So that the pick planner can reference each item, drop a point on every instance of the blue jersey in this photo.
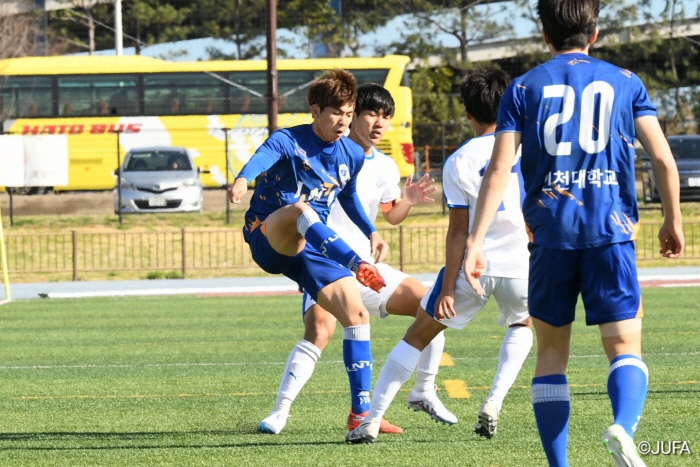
(297, 165)
(576, 116)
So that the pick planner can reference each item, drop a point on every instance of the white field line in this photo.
(331, 362)
(262, 289)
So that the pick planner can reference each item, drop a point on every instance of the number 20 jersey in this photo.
(576, 116)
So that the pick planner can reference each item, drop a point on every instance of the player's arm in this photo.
(413, 193)
(493, 187)
(667, 182)
(352, 206)
(265, 157)
(455, 242)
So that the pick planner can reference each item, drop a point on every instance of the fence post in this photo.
(442, 135)
(184, 258)
(74, 237)
(401, 248)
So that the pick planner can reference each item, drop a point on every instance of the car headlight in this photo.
(127, 185)
(189, 182)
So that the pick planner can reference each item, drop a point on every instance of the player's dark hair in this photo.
(569, 24)
(334, 88)
(481, 92)
(374, 97)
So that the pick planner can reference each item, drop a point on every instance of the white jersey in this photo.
(377, 182)
(505, 244)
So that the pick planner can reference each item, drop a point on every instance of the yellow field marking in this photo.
(446, 360)
(457, 389)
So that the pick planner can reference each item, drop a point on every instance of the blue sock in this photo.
(627, 388)
(357, 355)
(550, 400)
(326, 241)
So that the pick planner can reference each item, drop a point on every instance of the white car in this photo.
(158, 179)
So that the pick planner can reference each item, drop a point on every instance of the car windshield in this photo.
(148, 161)
(686, 148)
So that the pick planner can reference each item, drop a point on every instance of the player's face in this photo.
(331, 123)
(368, 127)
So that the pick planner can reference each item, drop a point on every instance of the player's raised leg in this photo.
(550, 390)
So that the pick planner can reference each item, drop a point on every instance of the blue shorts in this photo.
(310, 269)
(606, 277)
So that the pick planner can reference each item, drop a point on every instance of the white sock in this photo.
(428, 365)
(399, 366)
(300, 366)
(307, 219)
(516, 346)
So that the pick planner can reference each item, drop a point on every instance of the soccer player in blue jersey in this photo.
(379, 190)
(304, 169)
(577, 119)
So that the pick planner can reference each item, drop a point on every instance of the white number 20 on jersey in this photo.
(589, 122)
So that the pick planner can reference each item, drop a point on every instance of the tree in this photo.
(238, 21)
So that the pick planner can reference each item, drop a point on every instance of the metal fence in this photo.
(222, 252)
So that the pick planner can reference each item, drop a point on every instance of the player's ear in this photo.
(594, 36)
(315, 110)
(546, 38)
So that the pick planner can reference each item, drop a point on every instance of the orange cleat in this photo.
(368, 276)
(384, 427)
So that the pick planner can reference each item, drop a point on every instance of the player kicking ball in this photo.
(378, 189)
(577, 119)
(451, 302)
(304, 170)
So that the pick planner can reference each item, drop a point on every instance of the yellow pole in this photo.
(3, 264)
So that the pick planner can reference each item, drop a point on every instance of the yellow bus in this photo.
(108, 105)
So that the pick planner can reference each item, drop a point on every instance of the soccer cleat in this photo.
(431, 404)
(273, 424)
(487, 423)
(621, 447)
(355, 421)
(368, 276)
(366, 432)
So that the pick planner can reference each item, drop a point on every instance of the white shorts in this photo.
(373, 301)
(510, 295)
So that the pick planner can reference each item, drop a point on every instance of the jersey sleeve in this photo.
(641, 103)
(452, 186)
(510, 110)
(267, 155)
(349, 200)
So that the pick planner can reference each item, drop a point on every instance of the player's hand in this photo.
(418, 192)
(474, 267)
(671, 240)
(237, 190)
(444, 306)
(380, 248)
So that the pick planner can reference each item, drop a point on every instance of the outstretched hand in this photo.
(418, 192)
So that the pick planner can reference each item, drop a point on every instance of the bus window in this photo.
(370, 76)
(293, 87)
(183, 94)
(84, 95)
(26, 96)
(248, 94)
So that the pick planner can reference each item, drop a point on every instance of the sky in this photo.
(196, 49)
